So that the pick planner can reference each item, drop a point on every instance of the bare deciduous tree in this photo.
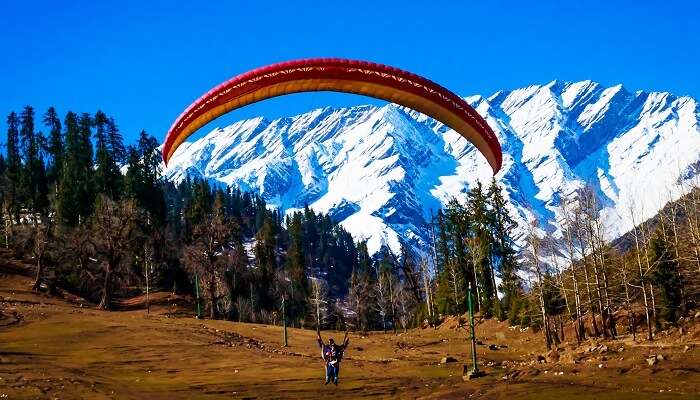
(534, 246)
(113, 234)
(427, 288)
(43, 241)
(318, 297)
(642, 273)
(209, 255)
(359, 296)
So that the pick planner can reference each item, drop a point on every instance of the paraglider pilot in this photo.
(332, 355)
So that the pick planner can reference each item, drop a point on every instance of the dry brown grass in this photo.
(62, 350)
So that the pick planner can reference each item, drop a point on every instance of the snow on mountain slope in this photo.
(381, 171)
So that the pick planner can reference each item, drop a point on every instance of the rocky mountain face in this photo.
(381, 171)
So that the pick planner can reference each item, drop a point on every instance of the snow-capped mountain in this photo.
(382, 170)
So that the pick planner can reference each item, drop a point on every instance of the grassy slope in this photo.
(60, 350)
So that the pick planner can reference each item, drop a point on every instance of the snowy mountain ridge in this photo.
(380, 171)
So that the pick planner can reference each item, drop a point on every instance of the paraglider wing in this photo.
(338, 75)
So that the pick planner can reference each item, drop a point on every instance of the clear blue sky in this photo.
(144, 61)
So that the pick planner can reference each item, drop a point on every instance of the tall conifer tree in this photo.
(54, 146)
(108, 178)
(504, 253)
(666, 277)
(14, 167)
(76, 196)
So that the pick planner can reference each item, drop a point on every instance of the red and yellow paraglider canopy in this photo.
(338, 75)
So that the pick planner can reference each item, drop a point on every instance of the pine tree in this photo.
(115, 142)
(480, 246)
(555, 305)
(503, 252)
(14, 168)
(4, 216)
(108, 178)
(55, 146)
(34, 188)
(152, 200)
(199, 199)
(340, 259)
(29, 153)
(458, 228)
(266, 261)
(29, 147)
(295, 266)
(85, 163)
(134, 177)
(143, 181)
(76, 195)
(665, 277)
(443, 252)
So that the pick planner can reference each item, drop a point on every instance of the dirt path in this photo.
(60, 350)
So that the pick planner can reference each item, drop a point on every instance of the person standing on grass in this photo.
(332, 354)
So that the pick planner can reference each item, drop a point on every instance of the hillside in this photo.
(673, 212)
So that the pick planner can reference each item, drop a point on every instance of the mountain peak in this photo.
(381, 170)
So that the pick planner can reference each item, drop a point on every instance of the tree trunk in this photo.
(453, 272)
(8, 224)
(545, 323)
(651, 286)
(681, 281)
(580, 232)
(535, 249)
(630, 313)
(653, 301)
(391, 302)
(476, 286)
(594, 256)
(578, 328)
(599, 298)
(212, 297)
(642, 281)
(148, 303)
(493, 276)
(106, 302)
(560, 283)
(39, 274)
(426, 287)
(580, 331)
(604, 273)
(590, 297)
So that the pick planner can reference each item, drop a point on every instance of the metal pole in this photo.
(475, 367)
(196, 290)
(147, 263)
(148, 304)
(474, 372)
(284, 323)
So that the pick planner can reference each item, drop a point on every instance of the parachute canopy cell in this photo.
(338, 75)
